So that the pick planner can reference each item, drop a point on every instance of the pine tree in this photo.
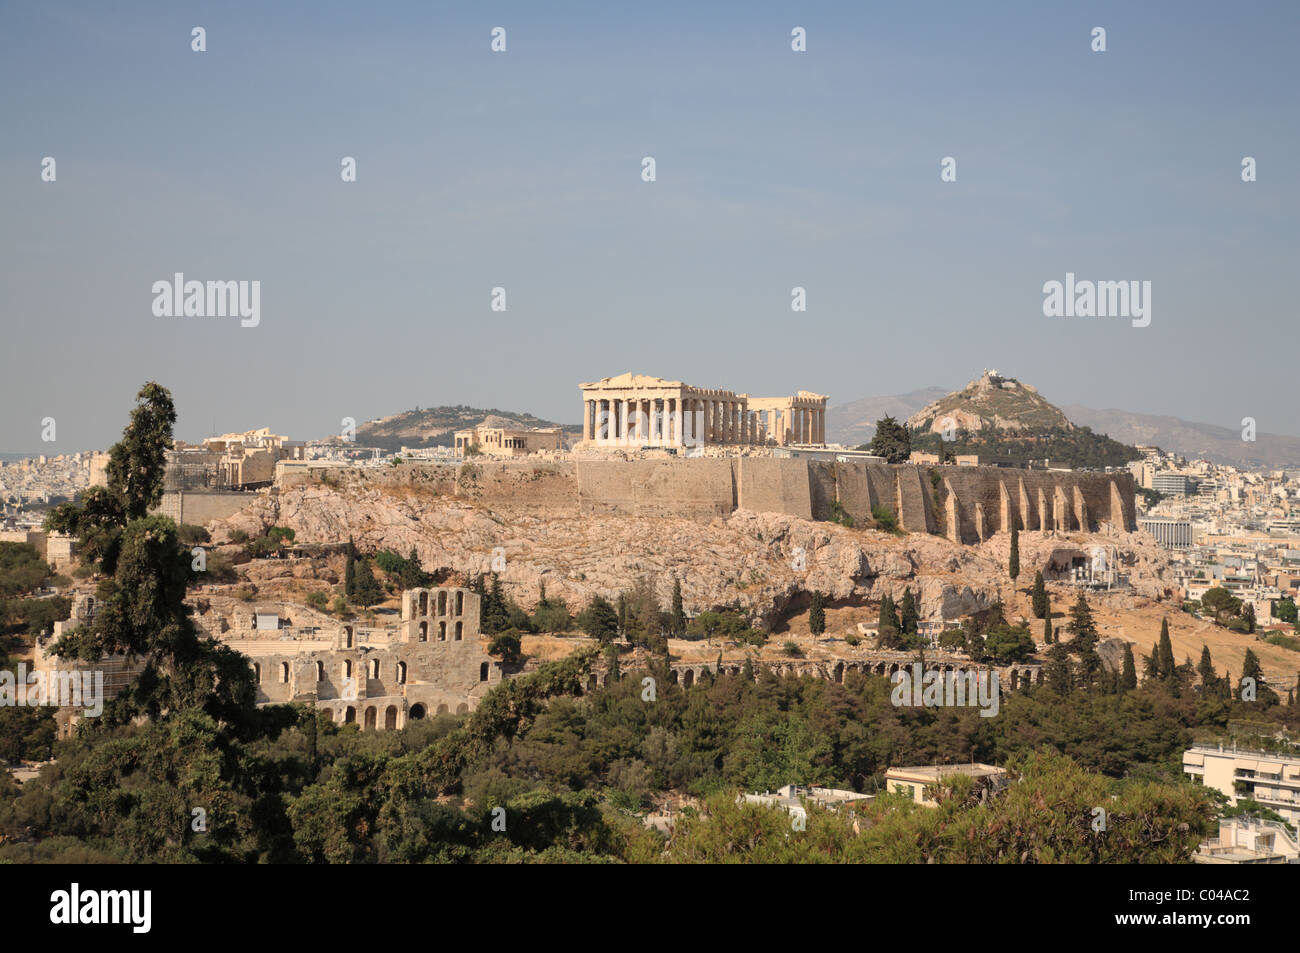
(1038, 597)
(1166, 657)
(678, 610)
(817, 614)
(1128, 678)
(1013, 564)
(1081, 624)
(1248, 613)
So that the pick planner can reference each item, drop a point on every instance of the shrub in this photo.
(884, 518)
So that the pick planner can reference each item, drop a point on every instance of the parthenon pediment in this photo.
(633, 380)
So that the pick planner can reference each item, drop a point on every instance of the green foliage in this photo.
(1038, 597)
(892, 440)
(728, 625)
(1221, 605)
(366, 590)
(1069, 448)
(840, 515)
(1007, 643)
(551, 615)
(817, 613)
(1043, 817)
(1285, 610)
(1013, 564)
(884, 518)
(599, 620)
(21, 569)
(318, 600)
(792, 649)
(506, 647)
(678, 611)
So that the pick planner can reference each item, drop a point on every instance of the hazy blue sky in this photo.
(522, 169)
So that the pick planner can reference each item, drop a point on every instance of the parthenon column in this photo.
(678, 441)
(586, 420)
(625, 427)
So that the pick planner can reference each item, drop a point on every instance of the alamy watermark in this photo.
(76, 689)
(1098, 299)
(179, 298)
(938, 689)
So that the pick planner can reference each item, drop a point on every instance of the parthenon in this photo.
(634, 410)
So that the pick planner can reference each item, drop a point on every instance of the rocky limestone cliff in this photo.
(746, 560)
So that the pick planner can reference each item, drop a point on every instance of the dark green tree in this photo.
(1048, 635)
(1038, 596)
(1206, 669)
(599, 620)
(1128, 678)
(495, 614)
(1166, 650)
(366, 590)
(889, 633)
(909, 617)
(1059, 677)
(142, 610)
(817, 614)
(350, 570)
(1013, 564)
(892, 440)
(678, 609)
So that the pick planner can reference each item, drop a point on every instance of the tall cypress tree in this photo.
(678, 610)
(350, 570)
(1013, 564)
(494, 617)
(1166, 657)
(1047, 630)
(887, 625)
(1128, 678)
(817, 614)
(1038, 596)
(908, 616)
(1206, 669)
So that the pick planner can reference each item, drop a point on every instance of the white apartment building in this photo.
(1271, 778)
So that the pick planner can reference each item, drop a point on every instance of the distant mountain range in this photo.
(437, 426)
(1192, 440)
(854, 423)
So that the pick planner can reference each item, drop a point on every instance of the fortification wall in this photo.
(775, 485)
(966, 504)
(203, 506)
(696, 489)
